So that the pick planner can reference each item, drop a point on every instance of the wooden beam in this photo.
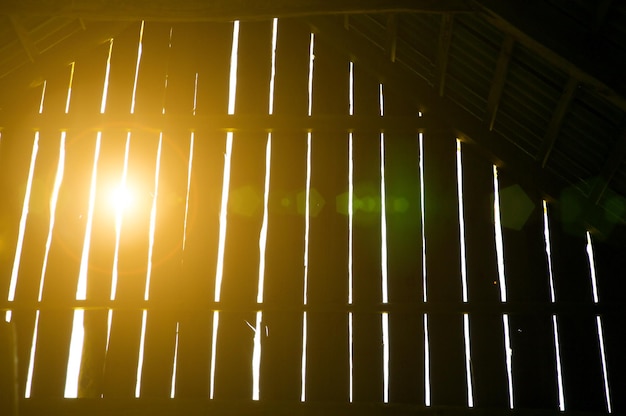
(202, 10)
(612, 164)
(24, 37)
(445, 39)
(499, 79)
(549, 139)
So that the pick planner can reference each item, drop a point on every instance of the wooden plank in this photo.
(443, 277)
(404, 259)
(233, 378)
(367, 347)
(284, 267)
(486, 333)
(327, 338)
(197, 284)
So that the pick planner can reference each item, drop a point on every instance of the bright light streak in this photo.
(303, 368)
(139, 50)
(119, 215)
(216, 321)
(426, 363)
(351, 356)
(195, 95)
(174, 367)
(509, 357)
(350, 213)
(605, 373)
(592, 268)
(307, 212)
(81, 288)
(43, 95)
(153, 214)
(381, 101)
(498, 232)
(459, 183)
(31, 359)
(105, 89)
(468, 361)
(422, 213)
(22, 229)
(189, 167)
(559, 374)
(546, 234)
(256, 357)
(383, 220)
(263, 234)
(75, 356)
(223, 213)
(273, 73)
(310, 85)
(385, 325)
(69, 89)
(351, 88)
(7, 316)
(109, 320)
(232, 92)
(142, 343)
(58, 180)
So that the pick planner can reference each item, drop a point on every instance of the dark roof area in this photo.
(538, 85)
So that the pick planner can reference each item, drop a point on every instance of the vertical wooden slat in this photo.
(327, 348)
(487, 338)
(233, 378)
(197, 284)
(367, 243)
(404, 242)
(443, 268)
(284, 267)
(580, 352)
(123, 354)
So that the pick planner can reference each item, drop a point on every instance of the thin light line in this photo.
(273, 73)
(351, 88)
(75, 355)
(195, 95)
(256, 357)
(22, 229)
(232, 92)
(43, 95)
(468, 361)
(381, 101)
(69, 89)
(189, 168)
(153, 214)
(174, 367)
(605, 374)
(307, 213)
(426, 363)
(459, 182)
(350, 214)
(385, 327)
(303, 368)
(559, 372)
(546, 233)
(422, 213)
(81, 288)
(54, 198)
(509, 357)
(310, 85)
(383, 221)
(216, 321)
(142, 342)
(105, 89)
(498, 232)
(31, 359)
(592, 269)
(351, 356)
(139, 50)
(263, 234)
(223, 217)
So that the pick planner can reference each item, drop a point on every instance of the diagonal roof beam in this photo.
(499, 79)
(612, 164)
(24, 38)
(445, 39)
(203, 10)
(549, 139)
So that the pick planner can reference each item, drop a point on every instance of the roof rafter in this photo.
(499, 79)
(202, 10)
